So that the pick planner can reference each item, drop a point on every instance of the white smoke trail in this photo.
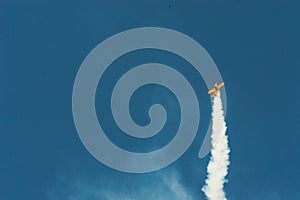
(217, 168)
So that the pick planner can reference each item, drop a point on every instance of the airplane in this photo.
(215, 91)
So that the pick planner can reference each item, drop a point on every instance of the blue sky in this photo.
(254, 44)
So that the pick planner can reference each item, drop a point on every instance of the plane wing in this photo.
(221, 85)
(212, 91)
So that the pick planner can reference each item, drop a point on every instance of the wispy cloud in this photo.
(159, 186)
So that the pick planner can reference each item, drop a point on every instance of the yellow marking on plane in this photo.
(215, 91)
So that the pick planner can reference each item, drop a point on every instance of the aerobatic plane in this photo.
(215, 91)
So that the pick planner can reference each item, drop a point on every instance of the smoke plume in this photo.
(218, 165)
